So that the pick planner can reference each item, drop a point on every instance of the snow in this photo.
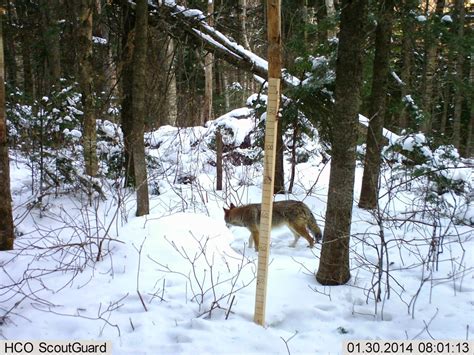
(233, 120)
(397, 78)
(421, 18)
(391, 137)
(194, 13)
(411, 141)
(178, 281)
(74, 133)
(447, 18)
(99, 40)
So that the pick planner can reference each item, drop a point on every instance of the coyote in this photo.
(294, 214)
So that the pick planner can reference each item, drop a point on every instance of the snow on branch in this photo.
(182, 22)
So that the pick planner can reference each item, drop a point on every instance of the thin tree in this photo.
(470, 128)
(171, 93)
(126, 74)
(458, 69)
(279, 186)
(208, 70)
(89, 137)
(138, 104)
(50, 30)
(334, 262)
(383, 33)
(10, 45)
(6, 216)
(430, 65)
(25, 44)
(408, 27)
(331, 13)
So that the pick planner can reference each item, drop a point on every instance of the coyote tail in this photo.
(314, 228)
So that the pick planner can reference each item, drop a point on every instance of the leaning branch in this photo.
(186, 24)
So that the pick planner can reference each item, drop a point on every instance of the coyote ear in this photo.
(232, 205)
(225, 209)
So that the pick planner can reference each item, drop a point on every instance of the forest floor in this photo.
(178, 281)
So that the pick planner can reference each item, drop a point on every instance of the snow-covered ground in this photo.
(179, 282)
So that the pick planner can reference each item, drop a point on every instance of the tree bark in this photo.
(431, 50)
(50, 31)
(208, 71)
(469, 151)
(408, 28)
(244, 77)
(10, 53)
(370, 181)
(127, 91)
(138, 104)
(89, 136)
(171, 90)
(334, 262)
(243, 23)
(25, 44)
(279, 186)
(331, 13)
(458, 68)
(6, 215)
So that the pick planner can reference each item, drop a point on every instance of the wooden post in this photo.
(219, 160)
(274, 75)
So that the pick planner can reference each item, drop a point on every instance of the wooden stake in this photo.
(219, 159)
(273, 104)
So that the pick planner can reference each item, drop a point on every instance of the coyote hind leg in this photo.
(300, 230)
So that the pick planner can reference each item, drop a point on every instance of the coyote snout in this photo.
(294, 214)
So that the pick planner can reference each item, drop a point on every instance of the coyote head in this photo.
(227, 215)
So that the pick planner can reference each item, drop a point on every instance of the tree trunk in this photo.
(171, 91)
(89, 136)
(105, 66)
(470, 135)
(50, 31)
(225, 85)
(321, 15)
(25, 44)
(469, 151)
(6, 216)
(370, 182)
(10, 53)
(431, 49)
(458, 68)
(334, 262)
(127, 89)
(138, 104)
(208, 72)
(408, 28)
(243, 23)
(331, 14)
(246, 80)
(279, 186)
(444, 113)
